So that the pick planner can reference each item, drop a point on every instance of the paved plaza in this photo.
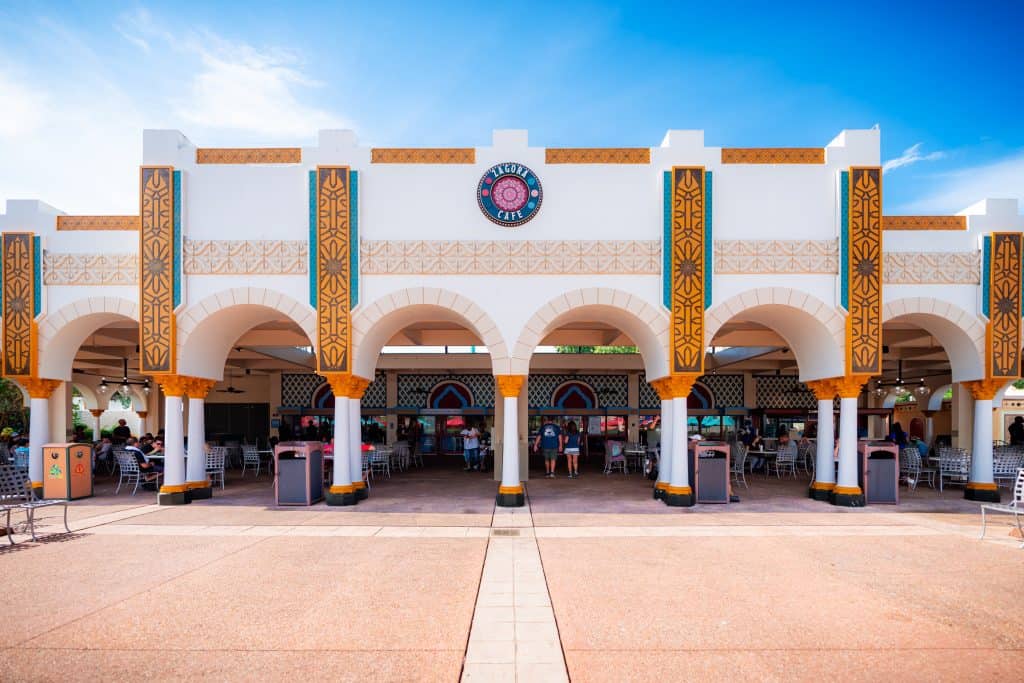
(591, 581)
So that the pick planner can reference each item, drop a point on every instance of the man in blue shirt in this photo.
(549, 443)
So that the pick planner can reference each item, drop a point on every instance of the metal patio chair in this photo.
(739, 463)
(1015, 507)
(913, 470)
(16, 494)
(380, 461)
(1005, 464)
(954, 467)
(251, 459)
(614, 457)
(784, 461)
(131, 474)
(215, 464)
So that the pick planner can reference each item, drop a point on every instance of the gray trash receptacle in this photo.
(711, 479)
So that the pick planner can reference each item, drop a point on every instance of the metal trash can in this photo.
(298, 473)
(711, 472)
(67, 471)
(881, 472)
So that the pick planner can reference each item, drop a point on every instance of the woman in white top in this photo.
(471, 448)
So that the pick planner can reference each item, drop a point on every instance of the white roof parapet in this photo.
(510, 138)
(683, 139)
(167, 148)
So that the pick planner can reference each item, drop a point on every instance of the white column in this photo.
(510, 445)
(679, 478)
(196, 465)
(665, 461)
(848, 483)
(174, 445)
(981, 445)
(38, 435)
(824, 462)
(929, 426)
(355, 440)
(342, 468)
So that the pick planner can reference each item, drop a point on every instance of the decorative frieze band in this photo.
(90, 269)
(598, 155)
(933, 268)
(801, 257)
(240, 155)
(505, 257)
(97, 222)
(246, 257)
(423, 155)
(773, 155)
(924, 222)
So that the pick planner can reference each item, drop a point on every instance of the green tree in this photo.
(597, 349)
(13, 412)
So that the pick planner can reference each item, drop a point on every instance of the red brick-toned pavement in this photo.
(777, 587)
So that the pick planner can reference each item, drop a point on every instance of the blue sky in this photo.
(79, 81)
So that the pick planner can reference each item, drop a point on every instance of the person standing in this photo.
(1016, 430)
(471, 447)
(549, 442)
(571, 446)
(121, 431)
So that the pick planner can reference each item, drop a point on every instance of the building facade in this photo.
(748, 280)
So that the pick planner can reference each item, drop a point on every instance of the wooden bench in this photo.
(16, 494)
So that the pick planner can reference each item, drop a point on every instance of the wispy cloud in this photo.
(952, 192)
(911, 155)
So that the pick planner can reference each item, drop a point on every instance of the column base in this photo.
(847, 496)
(981, 492)
(820, 490)
(173, 494)
(199, 490)
(341, 495)
(362, 491)
(659, 489)
(678, 496)
(511, 496)
(37, 489)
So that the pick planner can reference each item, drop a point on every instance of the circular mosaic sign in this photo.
(509, 194)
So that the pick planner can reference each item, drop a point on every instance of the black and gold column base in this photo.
(659, 490)
(982, 493)
(174, 494)
(511, 496)
(37, 489)
(198, 490)
(341, 495)
(362, 491)
(847, 496)
(679, 496)
(821, 490)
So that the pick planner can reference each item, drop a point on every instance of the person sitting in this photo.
(757, 462)
(149, 470)
(102, 451)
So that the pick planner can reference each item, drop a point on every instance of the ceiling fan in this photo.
(230, 388)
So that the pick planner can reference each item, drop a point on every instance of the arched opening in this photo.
(770, 343)
(587, 355)
(432, 355)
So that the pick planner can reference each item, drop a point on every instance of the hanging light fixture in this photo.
(879, 389)
(922, 389)
(103, 388)
(145, 387)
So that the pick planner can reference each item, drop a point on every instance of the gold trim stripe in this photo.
(19, 325)
(864, 320)
(598, 155)
(687, 277)
(156, 270)
(773, 155)
(333, 235)
(245, 155)
(423, 155)
(97, 222)
(924, 222)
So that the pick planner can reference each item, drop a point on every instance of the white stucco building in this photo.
(738, 274)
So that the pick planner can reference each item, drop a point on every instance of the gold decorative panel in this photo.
(1005, 305)
(240, 155)
(773, 155)
(802, 257)
(864, 319)
(423, 155)
(156, 271)
(19, 334)
(932, 267)
(246, 257)
(90, 269)
(599, 155)
(507, 257)
(924, 222)
(687, 240)
(97, 222)
(333, 235)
